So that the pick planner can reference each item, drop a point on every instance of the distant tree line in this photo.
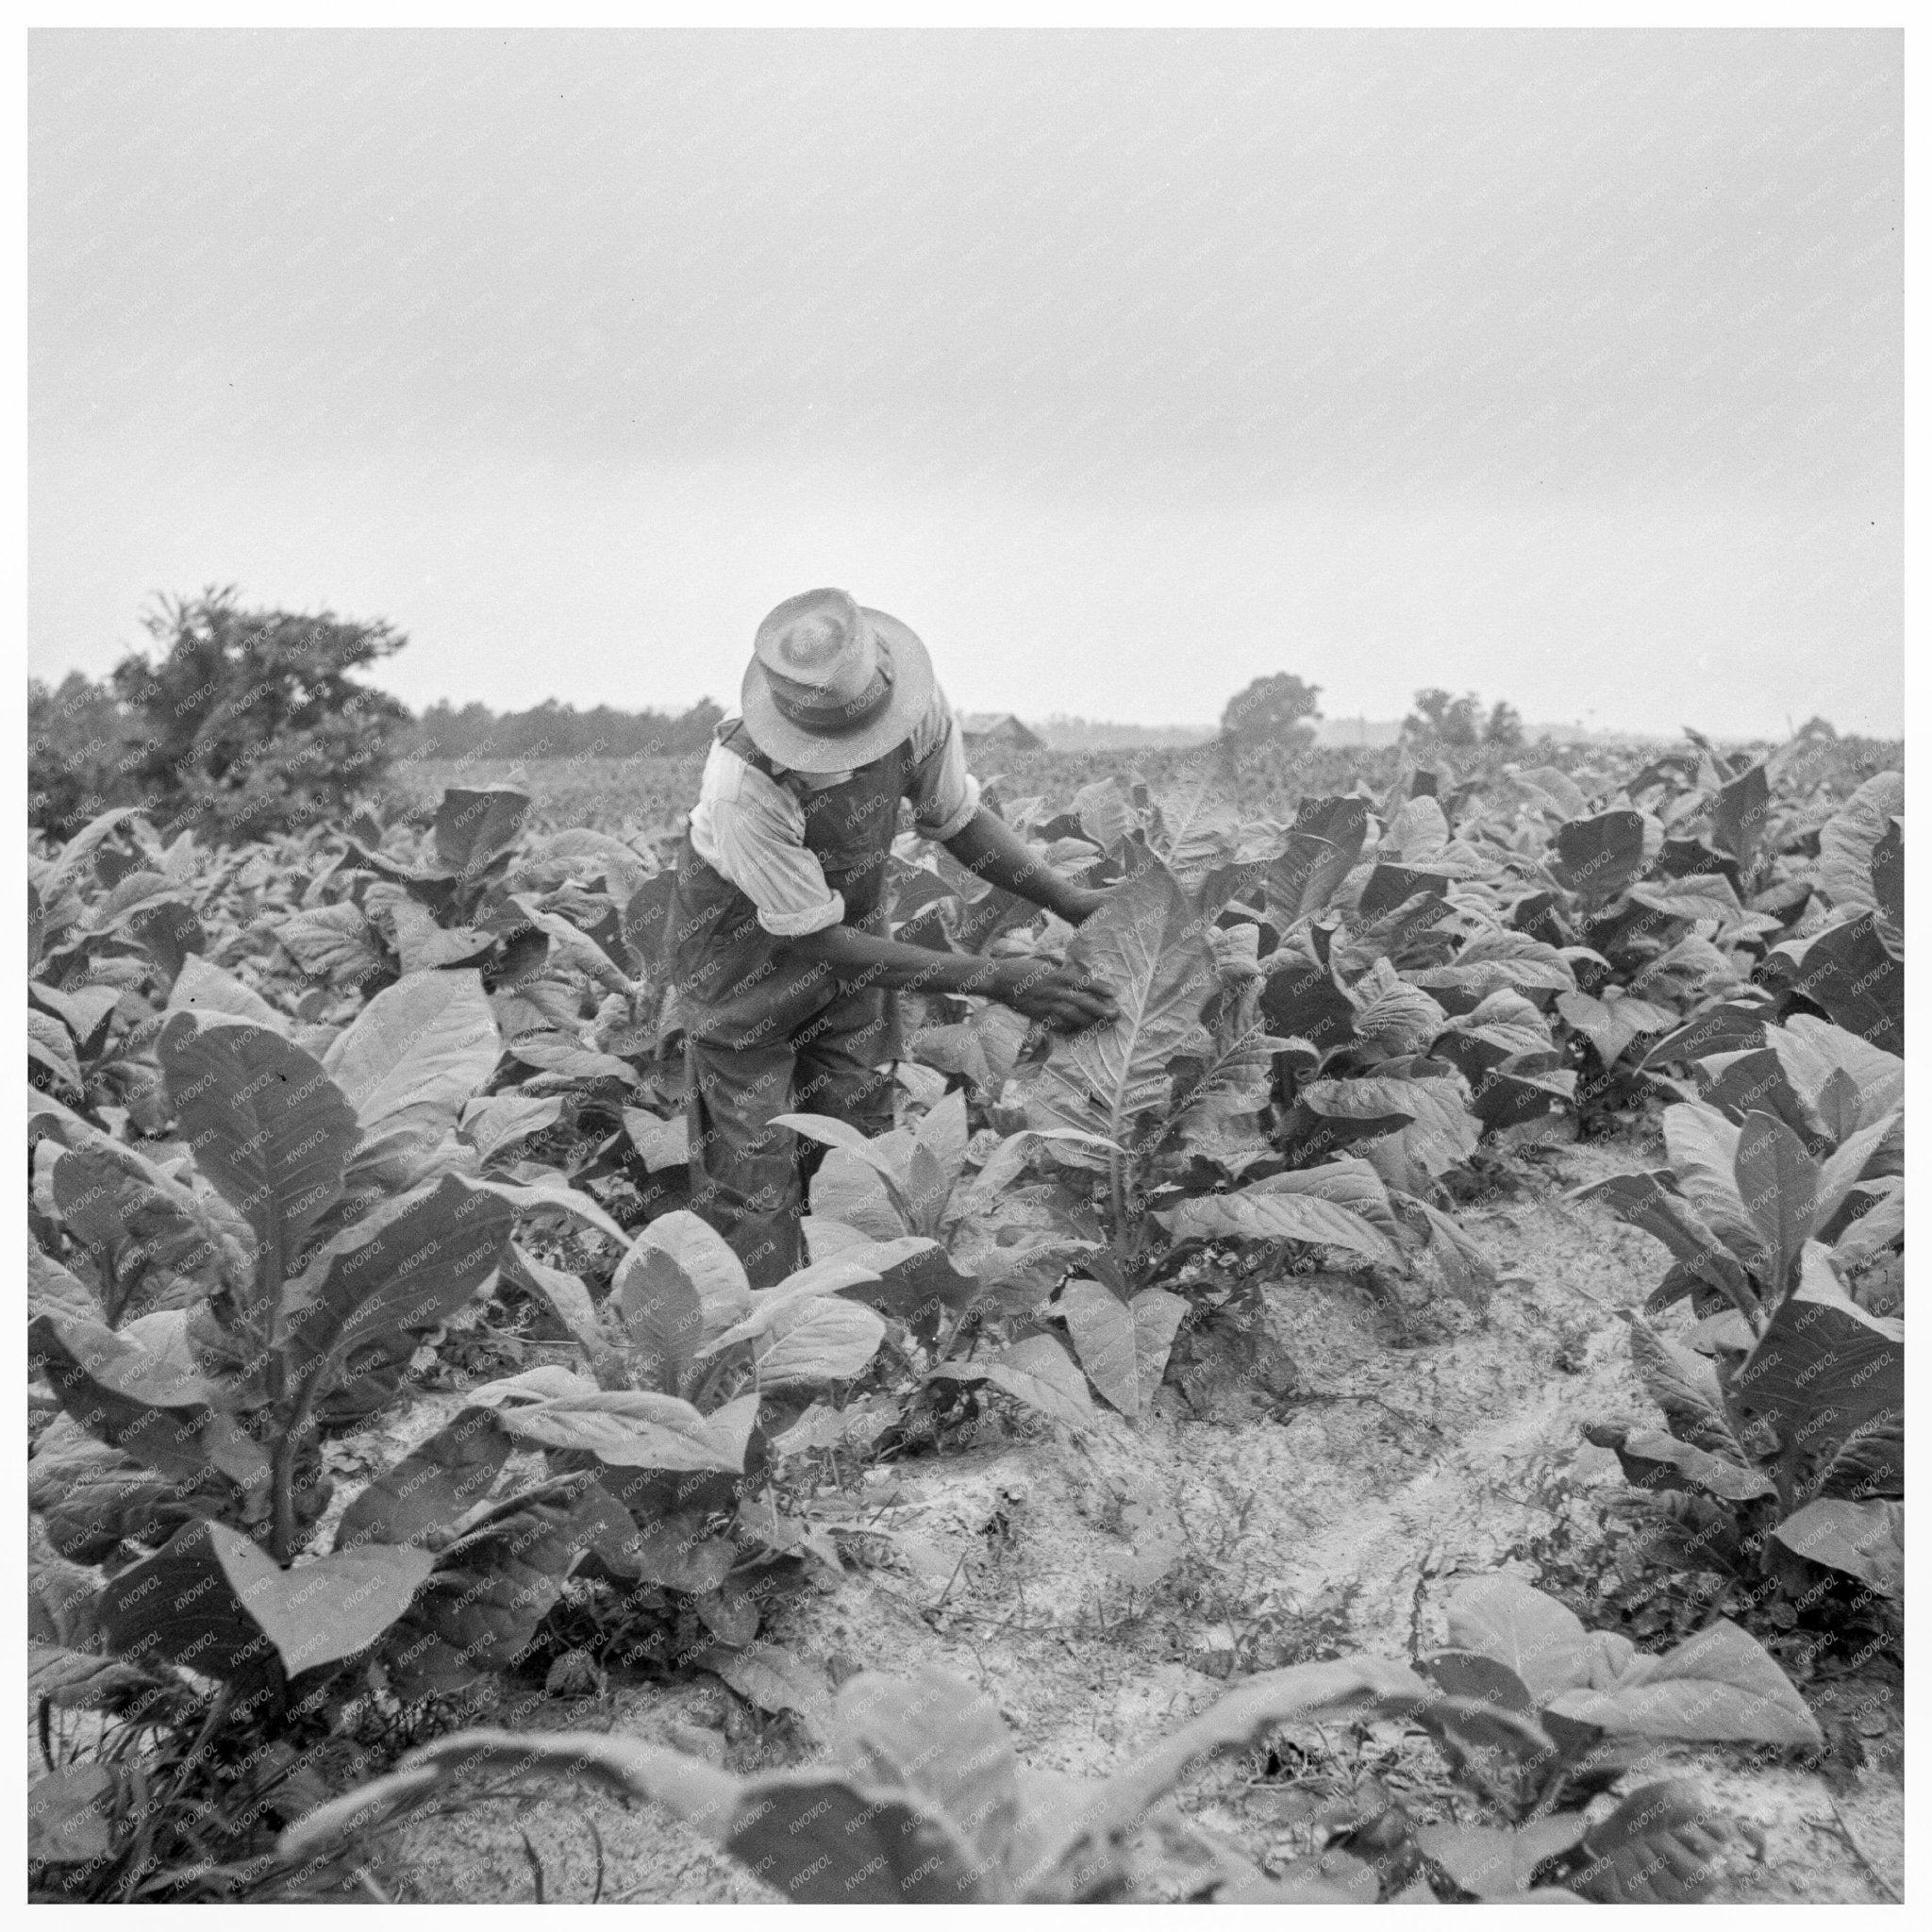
(1451, 723)
(1276, 714)
(551, 730)
(249, 723)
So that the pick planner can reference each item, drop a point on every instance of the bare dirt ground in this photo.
(1103, 1591)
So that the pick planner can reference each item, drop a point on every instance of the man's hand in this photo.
(1063, 996)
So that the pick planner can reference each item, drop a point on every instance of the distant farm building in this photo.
(998, 731)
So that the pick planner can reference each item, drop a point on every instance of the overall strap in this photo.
(734, 736)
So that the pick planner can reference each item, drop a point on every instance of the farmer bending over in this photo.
(778, 929)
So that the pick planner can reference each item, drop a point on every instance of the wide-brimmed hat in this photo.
(832, 686)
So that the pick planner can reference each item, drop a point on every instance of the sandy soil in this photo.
(1333, 1515)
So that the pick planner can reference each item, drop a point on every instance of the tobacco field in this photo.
(1410, 1411)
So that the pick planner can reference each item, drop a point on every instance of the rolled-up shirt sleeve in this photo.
(751, 830)
(944, 794)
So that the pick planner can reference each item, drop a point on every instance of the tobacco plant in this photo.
(1781, 1205)
(922, 1799)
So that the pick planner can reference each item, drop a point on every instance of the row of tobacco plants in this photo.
(319, 1128)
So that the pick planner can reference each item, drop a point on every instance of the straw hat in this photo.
(831, 685)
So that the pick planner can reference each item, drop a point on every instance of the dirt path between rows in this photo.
(1338, 1522)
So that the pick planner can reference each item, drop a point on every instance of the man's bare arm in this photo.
(1059, 994)
(988, 845)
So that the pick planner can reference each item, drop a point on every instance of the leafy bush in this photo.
(249, 723)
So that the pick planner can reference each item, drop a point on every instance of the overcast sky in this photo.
(1124, 367)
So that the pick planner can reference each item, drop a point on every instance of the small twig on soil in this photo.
(1595, 1301)
(950, 1581)
(535, 1862)
(1858, 1851)
(597, 1840)
(1353, 1395)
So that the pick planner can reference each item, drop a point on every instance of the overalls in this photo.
(767, 1033)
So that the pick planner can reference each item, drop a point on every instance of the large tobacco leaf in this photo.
(1123, 1346)
(218, 1603)
(1851, 970)
(91, 1498)
(500, 1122)
(663, 1317)
(1719, 1684)
(1498, 961)
(1412, 1120)
(1684, 1385)
(885, 1730)
(1657, 1847)
(407, 1268)
(481, 1603)
(704, 1259)
(1037, 1372)
(1865, 1540)
(148, 1407)
(1293, 1206)
(1871, 1083)
(832, 1274)
(148, 1242)
(52, 1290)
(922, 1803)
(1543, 1644)
(200, 988)
(628, 1429)
(1740, 815)
(1198, 830)
(1850, 839)
(474, 828)
(423, 1497)
(1647, 1200)
(334, 943)
(1149, 948)
(1823, 1371)
(1703, 1149)
(1492, 1862)
(1779, 1186)
(430, 1042)
(74, 1815)
(1705, 895)
(1321, 850)
(1596, 858)
(1656, 1460)
(818, 1340)
(1301, 998)
(268, 1126)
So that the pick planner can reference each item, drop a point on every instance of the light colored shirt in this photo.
(751, 828)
